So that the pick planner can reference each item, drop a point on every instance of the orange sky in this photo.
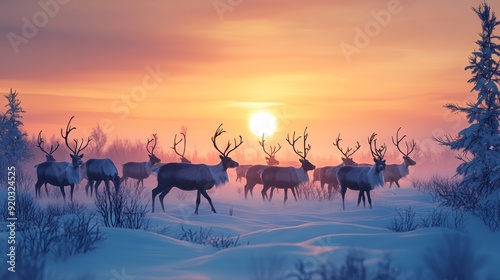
(285, 57)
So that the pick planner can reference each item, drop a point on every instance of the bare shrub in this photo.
(266, 268)
(489, 213)
(123, 209)
(436, 218)
(79, 235)
(404, 220)
(311, 192)
(353, 268)
(207, 237)
(453, 258)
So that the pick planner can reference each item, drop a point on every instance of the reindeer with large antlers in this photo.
(394, 172)
(141, 170)
(288, 177)
(364, 178)
(48, 155)
(253, 173)
(63, 174)
(174, 147)
(328, 174)
(196, 177)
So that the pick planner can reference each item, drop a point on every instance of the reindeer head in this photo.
(271, 158)
(409, 148)
(347, 160)
(76, 157)
(152, 158)
(306, 165)
(377, 153)
(226, 161)
(48, 155)
(174, 147)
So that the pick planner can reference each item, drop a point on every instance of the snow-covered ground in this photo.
(274, 237)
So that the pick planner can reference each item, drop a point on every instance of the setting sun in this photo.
(262, 123)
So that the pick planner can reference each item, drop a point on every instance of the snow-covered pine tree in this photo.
(480, 142)
(13, 141)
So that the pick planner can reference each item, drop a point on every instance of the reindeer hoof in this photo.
(213, 210)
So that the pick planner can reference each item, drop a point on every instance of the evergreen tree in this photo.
(480, 142)
(13, 141)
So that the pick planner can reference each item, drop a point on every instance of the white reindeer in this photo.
(394, 172)
(141, 170)
(195, 177)
(365, 178)
(62, 174)
(288, 177)
(253, 175)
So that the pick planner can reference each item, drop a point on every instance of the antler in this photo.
(155, 139)
(379, 152)
(409, 147)
(226, 152)
(78, 148)
(176, 143)
(40, 145)
(274, 150)
(346, 153)
(292, 143)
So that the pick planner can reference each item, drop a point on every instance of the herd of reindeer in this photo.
(202, 177)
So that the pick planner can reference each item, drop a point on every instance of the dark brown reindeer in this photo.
(195, 177)
(174, 147)
(48, 155)
(63, 174)
(394, 172)
(141, 170)
(364, 178)
(328, 174)
(288, 177)
(253, 174)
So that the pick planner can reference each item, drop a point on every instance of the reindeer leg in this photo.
(360, 195)
(97, 183)
(397, 184)
(205, 194)
(330, 187)
(198, 200)
(46, 190)
(63, 193)
(342, 192)
(294, 195)
(286, 195)
(106, 183)
(72, 188)
(271, 195)
(87, 188)
(369, 198)
(154, 193)
(38, 185)
(264, 192)
(247, 189)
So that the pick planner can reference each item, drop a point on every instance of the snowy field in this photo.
(274, 237)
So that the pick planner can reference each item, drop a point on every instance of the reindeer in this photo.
(174, 147)
(62, 174)
(48, 155)
(98, 170)
(328, 174)
(394, 172)
(288, 177)
(241, 171)
(253, 174)
(141, 170)
(365, 178)
(196, 177)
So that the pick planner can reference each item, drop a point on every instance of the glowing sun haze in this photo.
(139, 67)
